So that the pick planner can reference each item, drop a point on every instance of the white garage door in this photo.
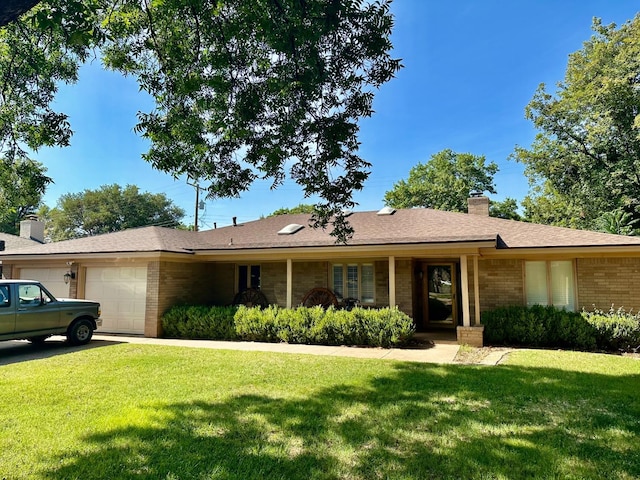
(122, 293)
(51, 278)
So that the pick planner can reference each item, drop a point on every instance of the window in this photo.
(32, 295)
(248, 277)
(550, 283)
(354, 280)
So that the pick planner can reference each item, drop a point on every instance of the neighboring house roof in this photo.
(12, 242)
(411, 226)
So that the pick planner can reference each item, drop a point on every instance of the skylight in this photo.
(291, 229)
(386, 211)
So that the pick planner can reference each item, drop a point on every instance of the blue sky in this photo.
(470, 68)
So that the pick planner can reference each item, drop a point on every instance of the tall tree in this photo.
(37, 53)
(444, 182)
(243, 87)
(21, 190)
(585, 160)
(109, 209)
(507, 209)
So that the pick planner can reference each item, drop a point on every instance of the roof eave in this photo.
(91, 255)
(379, 250)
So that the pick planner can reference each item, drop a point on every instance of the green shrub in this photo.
(538, 326)
(381, 328)
(294, 326)
(255, 324)
(199, 321)
(616, 330)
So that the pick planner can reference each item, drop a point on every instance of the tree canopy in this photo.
(37, 53)
(242, 87)
(302, 208)
(21, 189)
(584, 164)
(109, 209)
(444, 182)
(243, 90)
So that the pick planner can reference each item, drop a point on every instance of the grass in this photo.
(147, 412)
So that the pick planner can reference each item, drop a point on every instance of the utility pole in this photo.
(196, 185)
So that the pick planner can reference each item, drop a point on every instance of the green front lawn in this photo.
(147, 412)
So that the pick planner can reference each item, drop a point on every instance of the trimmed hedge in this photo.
(199, 321)
(385, 327)
(546, 326)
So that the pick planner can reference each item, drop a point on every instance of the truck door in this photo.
(7, 311)
(36, 312)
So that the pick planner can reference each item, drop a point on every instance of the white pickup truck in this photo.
(28, 311)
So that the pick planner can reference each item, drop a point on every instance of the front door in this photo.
(440, 308)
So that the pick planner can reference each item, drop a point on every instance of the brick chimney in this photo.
(32, 229)
(478, 204)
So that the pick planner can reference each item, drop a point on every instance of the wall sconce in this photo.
(69, 276)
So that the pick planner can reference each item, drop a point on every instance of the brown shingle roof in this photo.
(12, 242)
(414, 226)
(146, 239)
(409, 226)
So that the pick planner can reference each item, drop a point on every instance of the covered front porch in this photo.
(438, 288)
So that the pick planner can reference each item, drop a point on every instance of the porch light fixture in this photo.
(69, 276)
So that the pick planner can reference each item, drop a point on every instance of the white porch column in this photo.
(464, 273)
(392, 281)
(476, 291)
(289, 283)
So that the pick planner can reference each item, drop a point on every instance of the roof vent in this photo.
(291, 229)
(386, 211)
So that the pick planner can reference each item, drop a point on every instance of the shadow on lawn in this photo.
(421, 421)
(16, 351)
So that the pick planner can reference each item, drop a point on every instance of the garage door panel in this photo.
(51, 278)
(121, 292)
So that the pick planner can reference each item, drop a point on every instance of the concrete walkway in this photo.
(442, 351)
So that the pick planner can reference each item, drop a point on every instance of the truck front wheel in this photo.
(80, 333)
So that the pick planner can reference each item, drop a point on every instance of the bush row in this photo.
(546, 326)
(385, 327)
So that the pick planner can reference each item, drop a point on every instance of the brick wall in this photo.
(7, 270)
(273, 282)
(501, 283)
(608, 281)
(173, 283)
(306, 275)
